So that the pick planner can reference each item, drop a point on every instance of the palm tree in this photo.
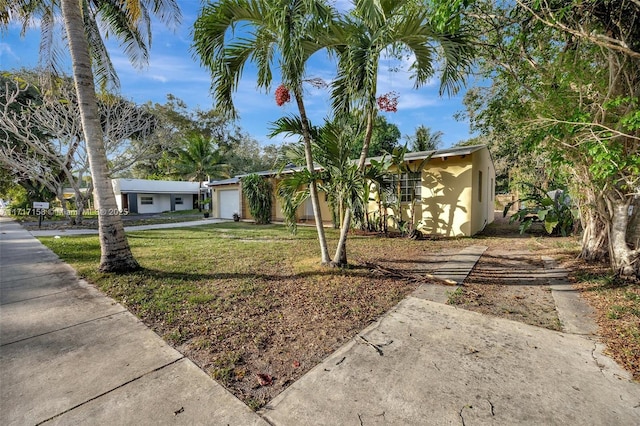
(200, 160)
(378, 26)
(289, 30)
(339, 177)
(425, 140)
(130, 22)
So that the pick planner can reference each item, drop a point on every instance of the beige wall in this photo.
(215, 197)
(450, 203)
(445, 208)
(276, 210)
(483, 204)
(446, 198)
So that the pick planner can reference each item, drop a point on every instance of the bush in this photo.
(258, 191)
(553, 209)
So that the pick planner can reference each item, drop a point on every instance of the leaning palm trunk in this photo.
(116, 255)
(313, 187)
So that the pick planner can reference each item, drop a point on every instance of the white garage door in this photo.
(229, 203)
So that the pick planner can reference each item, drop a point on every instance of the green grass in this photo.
(181, 265)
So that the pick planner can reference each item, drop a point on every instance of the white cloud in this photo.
(160, 78)
(415, 100)
(5, 50)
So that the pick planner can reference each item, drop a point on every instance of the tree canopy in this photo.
(564, 97)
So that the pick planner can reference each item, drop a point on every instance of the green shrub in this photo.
(258, 191)
(555, 213)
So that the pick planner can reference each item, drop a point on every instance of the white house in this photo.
(155, 196)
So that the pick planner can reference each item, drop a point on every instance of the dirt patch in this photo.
(503, 284)
(508, 279)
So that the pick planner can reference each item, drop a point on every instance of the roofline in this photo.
(439, 153)
(420, 155)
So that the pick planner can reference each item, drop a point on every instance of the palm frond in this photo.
(293, 191)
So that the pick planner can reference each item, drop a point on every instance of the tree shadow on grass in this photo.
(353, 272)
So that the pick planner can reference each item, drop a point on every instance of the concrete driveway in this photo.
(427, 363)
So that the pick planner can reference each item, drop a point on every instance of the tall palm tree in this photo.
(425, 140)
(289, 31)
(130, 22)
(200, 160)
(376, 27)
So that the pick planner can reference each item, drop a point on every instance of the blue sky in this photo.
(173, 69)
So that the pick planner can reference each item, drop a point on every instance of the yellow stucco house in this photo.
(451, 195)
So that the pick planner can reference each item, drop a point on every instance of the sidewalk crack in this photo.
(63, 328)
(110, 390)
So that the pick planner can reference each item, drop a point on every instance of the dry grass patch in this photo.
(617, 306)
(250, 304)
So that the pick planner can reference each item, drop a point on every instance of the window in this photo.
(178, 200)
(146, 200)
(480, 186)
(410, 186)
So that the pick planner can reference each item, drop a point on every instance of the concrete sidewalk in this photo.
(426, 363)
(70, 355)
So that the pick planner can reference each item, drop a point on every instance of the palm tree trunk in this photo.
(116, 255)
(340, 257)
(313, 188)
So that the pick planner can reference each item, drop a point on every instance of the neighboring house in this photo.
(155, 196)
(453, 194)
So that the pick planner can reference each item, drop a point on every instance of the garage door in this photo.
(229, 203)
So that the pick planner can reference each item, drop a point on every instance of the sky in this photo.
(173, 69)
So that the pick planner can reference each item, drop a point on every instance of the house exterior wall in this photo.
(483, 205)
(161, 203)
(455, 201)
(303, 214)
(215, 198)
(187, 202)
(450, 203)
(163, 193)
(445, 208)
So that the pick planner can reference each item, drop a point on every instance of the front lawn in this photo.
(243, 300)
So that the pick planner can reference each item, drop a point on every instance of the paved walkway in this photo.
(70, 355)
